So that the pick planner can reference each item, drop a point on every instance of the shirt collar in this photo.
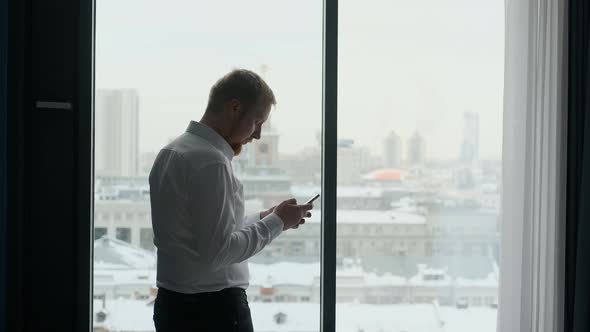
(211, 136)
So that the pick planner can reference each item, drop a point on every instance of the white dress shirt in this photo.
(200, 232)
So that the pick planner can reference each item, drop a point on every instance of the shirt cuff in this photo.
(274, 223)
(252, 218)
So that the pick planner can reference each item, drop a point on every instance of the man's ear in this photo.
(234, 105)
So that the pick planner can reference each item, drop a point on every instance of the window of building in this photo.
(99, 232)
(124, 234)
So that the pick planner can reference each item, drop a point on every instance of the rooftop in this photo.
(136, 316)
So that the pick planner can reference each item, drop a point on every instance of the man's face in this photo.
(248, 126)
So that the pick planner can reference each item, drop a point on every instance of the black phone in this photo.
(312, 199)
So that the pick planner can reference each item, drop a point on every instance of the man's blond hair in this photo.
(244, 85)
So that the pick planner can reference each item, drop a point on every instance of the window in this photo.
(420, 98)
(99, 232)
(124, 234)
(136, 114)
(409, 72)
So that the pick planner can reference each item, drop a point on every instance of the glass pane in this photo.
(419, 164)
(155, 65)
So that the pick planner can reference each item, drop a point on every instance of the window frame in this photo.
(329, 161)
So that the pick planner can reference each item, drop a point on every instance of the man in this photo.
(202, 236)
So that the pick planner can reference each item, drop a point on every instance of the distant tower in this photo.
(264, 152)
(393, 150)
(416, 149)
(261, 153)
(117, 132)
(259, 171)
(470, 143)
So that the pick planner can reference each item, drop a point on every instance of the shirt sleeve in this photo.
(219, 241)
(251, 218)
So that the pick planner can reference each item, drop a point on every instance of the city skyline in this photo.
(117, 137)
(424, 86)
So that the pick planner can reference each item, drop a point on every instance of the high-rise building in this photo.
(393, 150)
(117, 132)
(470, 143)
(416, 149)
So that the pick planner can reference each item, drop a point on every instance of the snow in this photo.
(421, 279)
(282, 274)
(115, 254)
(125, 277)
(126, 315)
(372, 217)
(491, 281)
(135, 316)
(372, 279)
(348, 191)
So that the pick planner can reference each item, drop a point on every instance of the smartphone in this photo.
(312, 199)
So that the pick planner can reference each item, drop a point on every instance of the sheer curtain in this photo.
(532, 228)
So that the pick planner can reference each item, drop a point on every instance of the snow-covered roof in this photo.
(110, 253)
(430, 277)
(125, 315)
(303, 274)
(105, 277)
(372, 217)
(359, 191)
(490, 282)
(387, 279)
(136, 316)
(117, 262)
(349, 191)
(283, 274)
(471, 267)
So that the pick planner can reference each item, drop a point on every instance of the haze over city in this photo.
(395, 71)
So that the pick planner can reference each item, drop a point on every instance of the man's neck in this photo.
(216, 125)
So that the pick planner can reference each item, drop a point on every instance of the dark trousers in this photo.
(223, 311)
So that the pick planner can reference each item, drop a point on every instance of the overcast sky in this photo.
(403, 65)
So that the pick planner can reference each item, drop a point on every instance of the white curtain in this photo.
(533, 219)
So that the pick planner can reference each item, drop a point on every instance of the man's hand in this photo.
(292, 214)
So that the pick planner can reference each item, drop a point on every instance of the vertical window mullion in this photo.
(85, 164)
(329, 164)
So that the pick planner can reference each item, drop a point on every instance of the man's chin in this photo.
(237, 147)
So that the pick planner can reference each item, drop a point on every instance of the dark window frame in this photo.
(47, 77)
